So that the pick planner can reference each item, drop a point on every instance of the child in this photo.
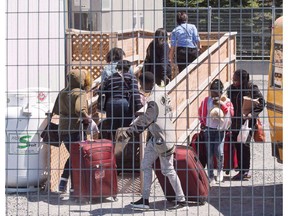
(161, 143)
(215, 114)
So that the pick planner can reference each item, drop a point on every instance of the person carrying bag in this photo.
(157, 118)
(240, 90)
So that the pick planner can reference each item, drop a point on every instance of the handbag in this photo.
(120, 144)
(259, 135)
(50, 134)
(244, 132)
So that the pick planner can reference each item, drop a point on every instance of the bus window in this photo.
(277, 82)
(275, 90)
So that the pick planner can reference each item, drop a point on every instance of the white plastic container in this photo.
(26, 156)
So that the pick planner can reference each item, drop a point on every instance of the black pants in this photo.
(185, 56)
(68, 139)
(243, 152)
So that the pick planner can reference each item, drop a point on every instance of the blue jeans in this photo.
(214, 140)
(118, 114)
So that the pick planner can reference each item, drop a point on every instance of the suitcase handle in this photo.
(82, 134)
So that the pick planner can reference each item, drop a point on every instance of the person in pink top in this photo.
(215, 114)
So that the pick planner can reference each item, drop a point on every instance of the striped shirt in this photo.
(120, 85)
(110, 69)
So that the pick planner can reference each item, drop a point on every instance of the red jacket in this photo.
(202, 111)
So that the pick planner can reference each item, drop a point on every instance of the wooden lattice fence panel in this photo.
(95, 70)
(88, 50)
(90, 47)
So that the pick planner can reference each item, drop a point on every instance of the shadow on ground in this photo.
(226, 200)
(248, 200)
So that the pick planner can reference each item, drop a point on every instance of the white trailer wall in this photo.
(35, 45)
(122, 15)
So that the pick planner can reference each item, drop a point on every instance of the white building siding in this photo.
(35, 45)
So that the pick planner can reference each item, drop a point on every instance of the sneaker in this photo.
(63, 185)
(71, 192)
(219, 177)
(141, 204)
(211, 181)
(179, 205)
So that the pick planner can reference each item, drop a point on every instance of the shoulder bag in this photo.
(50, 134)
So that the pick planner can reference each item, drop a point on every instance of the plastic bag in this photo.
(244, 132)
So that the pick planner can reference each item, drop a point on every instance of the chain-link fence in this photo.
(65, 57)
(253, 26)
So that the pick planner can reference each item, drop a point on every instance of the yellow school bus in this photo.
(275, 90)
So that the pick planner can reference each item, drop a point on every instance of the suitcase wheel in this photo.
(202, 201)
(81, 201)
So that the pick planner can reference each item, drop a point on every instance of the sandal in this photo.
(246, 176)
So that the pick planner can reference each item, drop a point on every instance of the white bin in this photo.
(26, 156)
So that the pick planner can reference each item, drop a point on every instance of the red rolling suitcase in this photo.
(230, 155)
(198, 144)
(94, 169)
(191, 173)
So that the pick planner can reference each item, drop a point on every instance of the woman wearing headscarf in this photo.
(157, 57)
(241, 87)
(73, 110)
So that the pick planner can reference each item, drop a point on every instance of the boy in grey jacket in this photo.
(161, 140)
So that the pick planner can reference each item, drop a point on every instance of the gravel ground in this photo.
(262, 195)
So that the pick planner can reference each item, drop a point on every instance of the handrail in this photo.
(187, 101)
